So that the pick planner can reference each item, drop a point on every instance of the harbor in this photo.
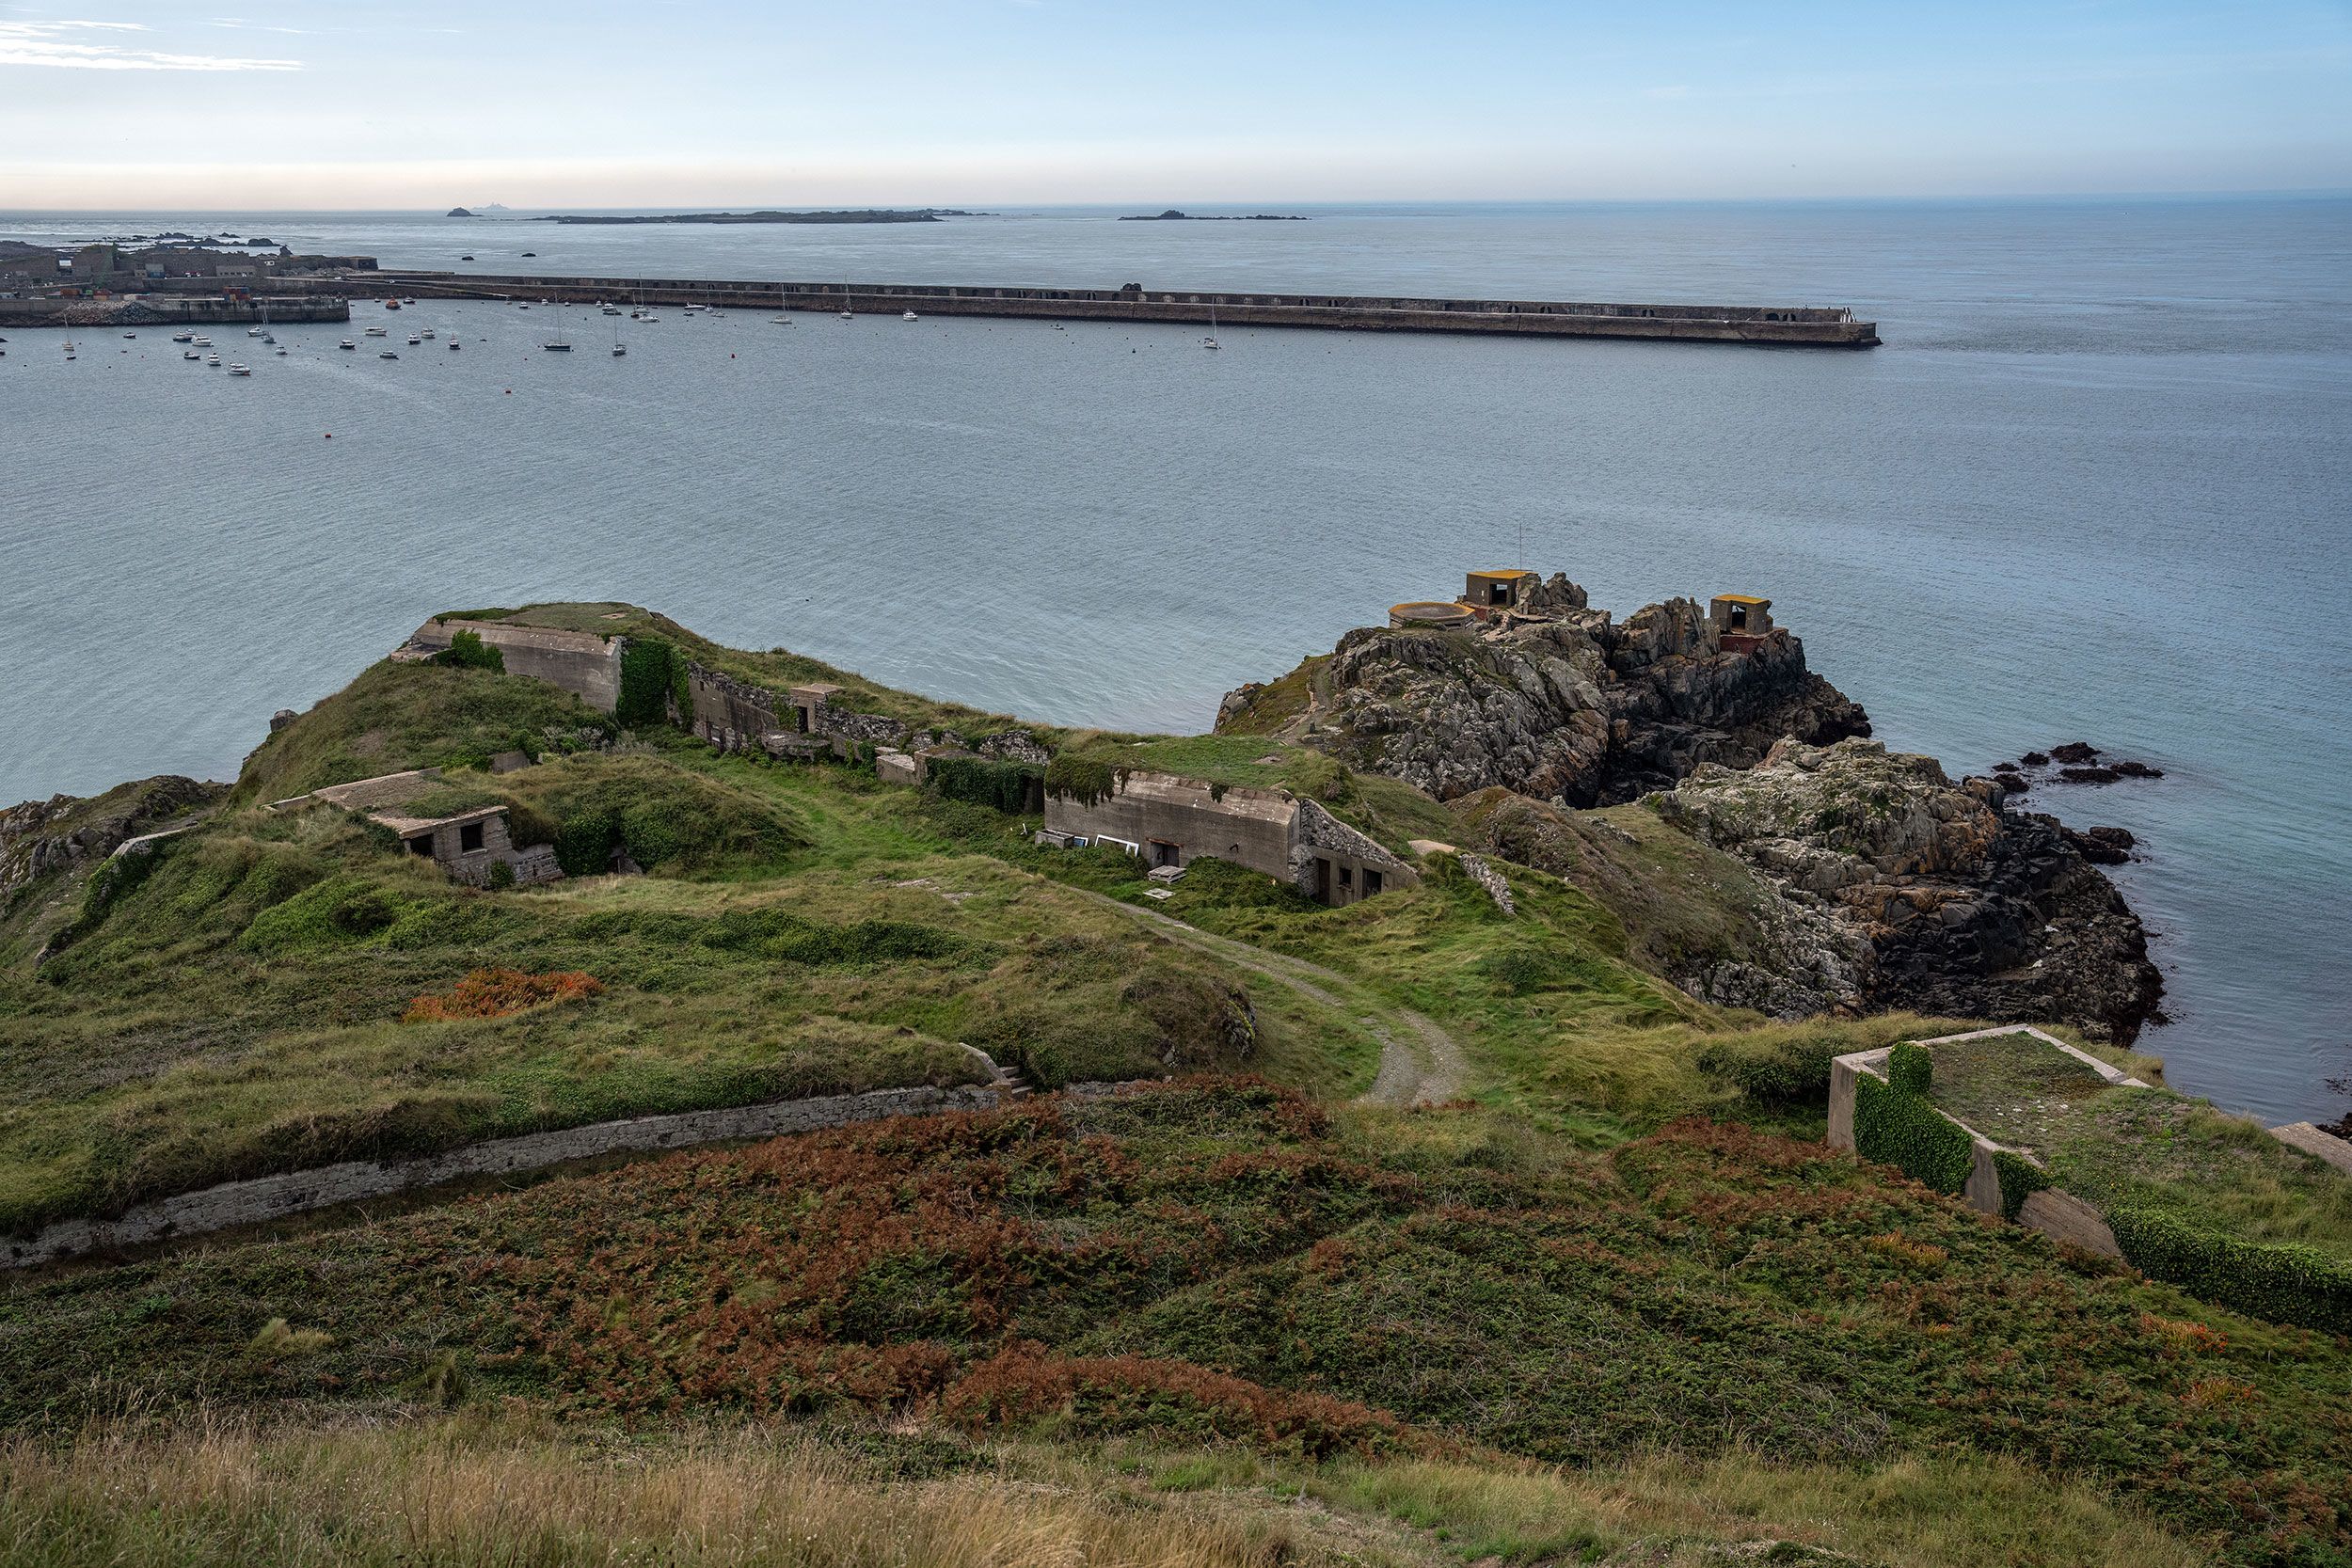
(1769, 326)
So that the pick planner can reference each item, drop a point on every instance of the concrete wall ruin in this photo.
(584, 663)
(1171, 820)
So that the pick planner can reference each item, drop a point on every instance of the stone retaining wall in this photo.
(268, 1197)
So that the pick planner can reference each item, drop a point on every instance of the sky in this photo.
(248, 104)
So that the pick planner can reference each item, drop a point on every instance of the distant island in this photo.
(868, 215)
(1172, 215)
(457, 212)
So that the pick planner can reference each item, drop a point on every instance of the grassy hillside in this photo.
(1219, 1264)
(233, 1004)
(1597, 1309)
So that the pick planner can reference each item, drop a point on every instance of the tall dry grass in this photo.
(460, 1493)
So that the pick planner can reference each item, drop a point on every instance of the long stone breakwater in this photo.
(1786, 325)
(170, 309)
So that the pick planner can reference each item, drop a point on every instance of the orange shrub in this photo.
(495, 993)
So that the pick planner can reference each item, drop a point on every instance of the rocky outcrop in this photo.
(1968, 910)
(1567, 703)
(66, 833)
(1703, 919)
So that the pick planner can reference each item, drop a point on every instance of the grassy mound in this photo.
(1215, 1264)
(396, 717)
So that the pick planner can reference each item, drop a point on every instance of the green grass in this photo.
(1685, 906)
(2149, 1147)
(396, 717)
(236, 1012)
(1214, 1265)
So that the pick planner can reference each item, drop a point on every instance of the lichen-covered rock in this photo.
(66, 833)
(1574, 707)
(1968, 910)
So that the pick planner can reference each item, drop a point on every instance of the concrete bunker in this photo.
(1740, 620)
(464, 844)
(1487, 594)
(1168, 820)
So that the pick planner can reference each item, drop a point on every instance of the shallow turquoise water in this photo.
(2097, 485)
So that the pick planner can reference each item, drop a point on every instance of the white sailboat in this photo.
(847, 315)
(1210, 341)
(781, 318)
(559, 344)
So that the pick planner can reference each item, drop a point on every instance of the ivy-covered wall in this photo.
(653, 677)
(1894, 1123)
(1013, 787)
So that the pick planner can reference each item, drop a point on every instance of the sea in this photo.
(2096, 485)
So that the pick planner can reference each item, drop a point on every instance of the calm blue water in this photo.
(2097, 485)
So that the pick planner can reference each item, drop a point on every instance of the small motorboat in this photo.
(250, 332)
(380, 332)
(520, 305)
(531, 253)
(391, 305)
(214, 360)
(388, 354)
(909, 316)
(409, 302)
(129, 334)
(181, 337)
(428, 334)
(465, 258)
(454, 344)
(414, 339)
(609, 309)
(203, 343)
(281, 352)
(191, 353)
(240, 370)
(347, 343)
(619, 349)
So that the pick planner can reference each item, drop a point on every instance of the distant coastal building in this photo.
(1488, 594)
(1168, 820)
(1740, 620)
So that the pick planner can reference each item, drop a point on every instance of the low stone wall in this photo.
(1497, 887)
(268, 1197)
(2317, 1142)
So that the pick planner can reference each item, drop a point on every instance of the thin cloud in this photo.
(241, 25)
(58, 46)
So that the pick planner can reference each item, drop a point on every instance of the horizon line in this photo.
(2300, 193)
